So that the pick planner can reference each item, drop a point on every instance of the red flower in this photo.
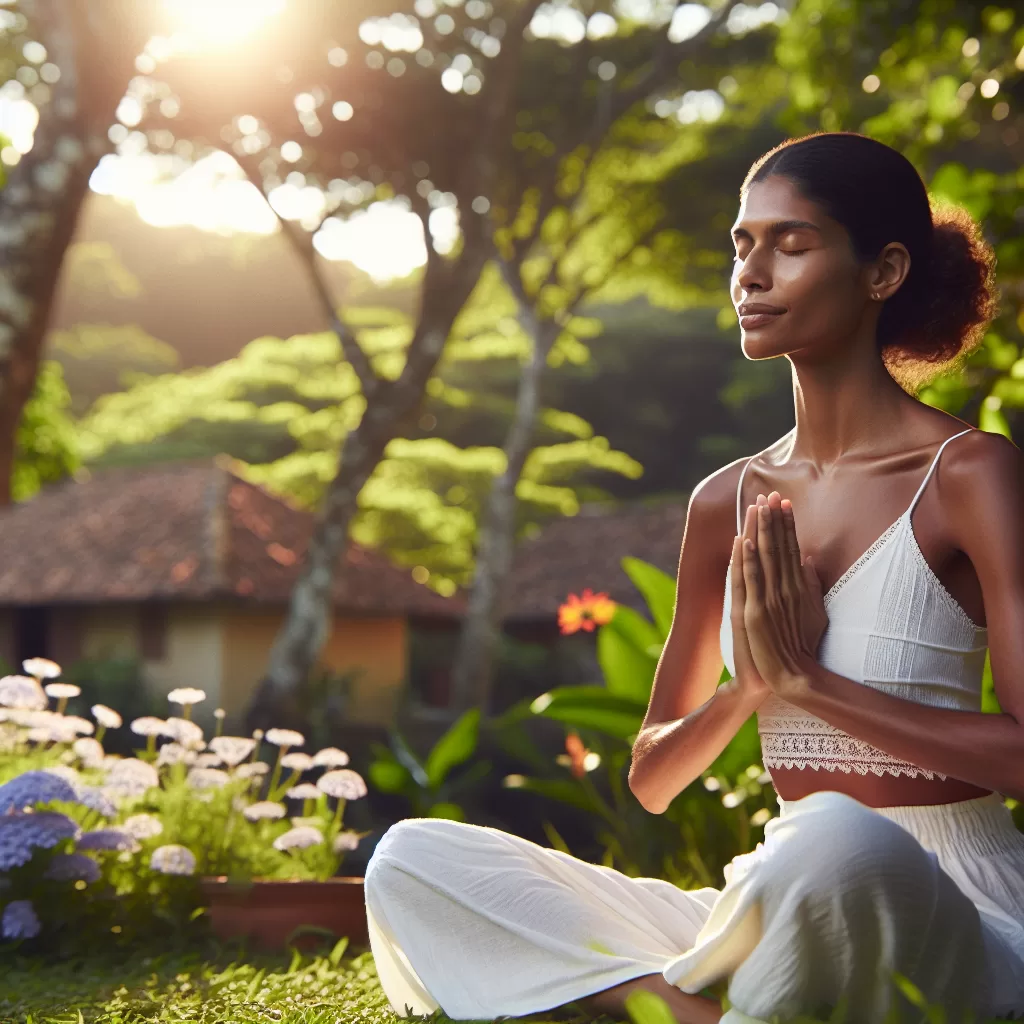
(585, 612)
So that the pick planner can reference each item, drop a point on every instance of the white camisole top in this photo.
(892, 626)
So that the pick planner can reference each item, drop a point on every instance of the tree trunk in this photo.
(44, 194)
(473, 671)
(301, 638)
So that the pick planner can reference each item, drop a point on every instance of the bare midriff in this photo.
(874, 790)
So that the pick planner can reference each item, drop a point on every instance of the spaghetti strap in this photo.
(931, 468)
(739, 497)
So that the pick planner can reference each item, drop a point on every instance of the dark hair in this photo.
(939, 314)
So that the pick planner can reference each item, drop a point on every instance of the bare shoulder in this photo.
(984, 476)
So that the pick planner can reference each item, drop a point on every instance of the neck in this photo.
(845, 408)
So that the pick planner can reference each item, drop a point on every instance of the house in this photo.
(189, 568)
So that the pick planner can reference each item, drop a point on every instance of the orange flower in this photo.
(576, 752)
(585, 612)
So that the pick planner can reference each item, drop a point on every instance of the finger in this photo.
(766, 551)
(752, 576)
(791, 544)
(739, 590)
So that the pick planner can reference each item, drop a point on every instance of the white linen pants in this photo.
(483, 923)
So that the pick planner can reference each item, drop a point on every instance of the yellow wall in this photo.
(375, 646)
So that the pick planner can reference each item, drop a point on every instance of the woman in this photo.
(893, 851)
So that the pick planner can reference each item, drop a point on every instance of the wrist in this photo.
(799, 683)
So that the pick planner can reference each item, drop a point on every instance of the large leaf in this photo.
(744, 749)
(658, 588)
(566, 791)
(628, 669)
(454, 747)
(406, 757)
(389, 776)
(592, 707)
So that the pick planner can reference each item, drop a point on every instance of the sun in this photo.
(221, 22)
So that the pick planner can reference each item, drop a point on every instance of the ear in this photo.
(888, 271)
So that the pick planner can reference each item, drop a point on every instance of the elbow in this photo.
(640, 788)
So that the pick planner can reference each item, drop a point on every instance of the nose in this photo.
(752, 275)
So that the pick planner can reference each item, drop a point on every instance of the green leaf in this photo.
(744, 749)
(565, 791)
(556, 841)
(389, 776)
(658, 589)
(627, 667)
(592, 707)
(647, 1008)
(334, 957)
(407, 758)
(444, 809)
(454, 747)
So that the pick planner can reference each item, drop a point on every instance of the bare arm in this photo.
(690, 719)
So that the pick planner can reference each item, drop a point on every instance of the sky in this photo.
(385, 240)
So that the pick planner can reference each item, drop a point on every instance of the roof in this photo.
(190, 532)
(586, 550)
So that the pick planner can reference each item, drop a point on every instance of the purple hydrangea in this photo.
(19, 920)
(108, 839)
(22, 833)
(72, 867)
(35, 787)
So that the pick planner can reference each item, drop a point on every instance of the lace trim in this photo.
(798, 740)
(842, 581)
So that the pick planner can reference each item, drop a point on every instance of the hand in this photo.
(784, 610)
(747, 677)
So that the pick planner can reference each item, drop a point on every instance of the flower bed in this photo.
(88, 838)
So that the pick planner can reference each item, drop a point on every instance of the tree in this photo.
(86, 53)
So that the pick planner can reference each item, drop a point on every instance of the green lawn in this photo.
(214, 986)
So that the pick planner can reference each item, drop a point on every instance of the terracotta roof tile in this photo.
(586, 550)
(184, 531)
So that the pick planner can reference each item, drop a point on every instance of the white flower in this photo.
(19, 921)
(107, 717)
(232, 750)
(208, 760)
(41, 668)
(132, 777)
(142, 826)
(297, 762)
(108, 839)
(89, 751)
(207, 778)
(345, 841)
(148, 726)
(72, 867)
(264, 809)
(304, 791)
(343, 784)
(173, 860)
(220, 714)
(62, 691)
(186, 696)
(298, 838)
(187, 733)
(22, 692)
(82, 726)
(285, 738)
(175, 753)
(252, 770)
(330, 757)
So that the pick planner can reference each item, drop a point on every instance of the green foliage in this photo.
(710, 822)
(428, 786)
(46, 446)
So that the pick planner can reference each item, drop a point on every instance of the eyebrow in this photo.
(780, 227)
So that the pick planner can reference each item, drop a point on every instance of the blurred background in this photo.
(342, 340)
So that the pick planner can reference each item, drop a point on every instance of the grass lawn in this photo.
(212, 986)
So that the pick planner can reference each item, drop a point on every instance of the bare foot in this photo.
(685, 1008)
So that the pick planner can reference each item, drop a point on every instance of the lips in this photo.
(751, 321)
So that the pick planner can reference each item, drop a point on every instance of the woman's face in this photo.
(796, 282)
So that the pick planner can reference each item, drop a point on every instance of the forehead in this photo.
(778, 199)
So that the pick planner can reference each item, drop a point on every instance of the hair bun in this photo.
(938, 323)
